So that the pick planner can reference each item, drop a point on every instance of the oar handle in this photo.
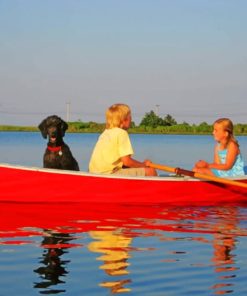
(177, 171)
(184, 172)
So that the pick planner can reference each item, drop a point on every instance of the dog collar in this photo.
(55, 149)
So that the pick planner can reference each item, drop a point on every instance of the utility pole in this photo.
(67, 111)
(157, 109)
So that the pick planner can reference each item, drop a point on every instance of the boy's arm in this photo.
(128, 161)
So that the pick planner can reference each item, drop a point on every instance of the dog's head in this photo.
(53, 127)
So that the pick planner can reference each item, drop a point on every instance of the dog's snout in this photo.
(54, 133)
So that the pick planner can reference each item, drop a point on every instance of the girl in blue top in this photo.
(228, 161)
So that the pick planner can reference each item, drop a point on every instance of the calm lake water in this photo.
(120, 249)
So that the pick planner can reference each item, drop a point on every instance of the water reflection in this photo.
(224, 242)
(118, 239)
(113, 247)
(53, 266)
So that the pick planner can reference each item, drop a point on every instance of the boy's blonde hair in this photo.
(116, 114)
(227, 125)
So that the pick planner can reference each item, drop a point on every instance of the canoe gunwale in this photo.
(168, 177)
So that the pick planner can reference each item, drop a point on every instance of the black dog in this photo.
(57, 154)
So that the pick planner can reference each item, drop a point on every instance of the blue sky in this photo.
(188, 57)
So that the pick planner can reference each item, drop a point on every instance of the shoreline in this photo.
(150, 127)
(91, 131)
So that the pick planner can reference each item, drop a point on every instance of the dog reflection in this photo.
(53, 267)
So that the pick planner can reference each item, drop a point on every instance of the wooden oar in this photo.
(180, 171)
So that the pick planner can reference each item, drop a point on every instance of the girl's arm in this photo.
(231, 156)
(216, 155)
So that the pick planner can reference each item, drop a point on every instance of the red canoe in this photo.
(27, 184)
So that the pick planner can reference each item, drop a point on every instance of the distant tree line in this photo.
(152, 123)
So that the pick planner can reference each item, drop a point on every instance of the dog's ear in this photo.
(43, 128)
(64, 127)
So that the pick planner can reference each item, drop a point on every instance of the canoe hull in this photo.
(21, 184)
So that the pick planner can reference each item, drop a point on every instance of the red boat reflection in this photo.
(112, 229)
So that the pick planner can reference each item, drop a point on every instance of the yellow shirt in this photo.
(111, 146)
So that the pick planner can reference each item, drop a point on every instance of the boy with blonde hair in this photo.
(113, 150)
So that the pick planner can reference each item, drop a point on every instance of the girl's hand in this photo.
(147, 162)
(201, 164)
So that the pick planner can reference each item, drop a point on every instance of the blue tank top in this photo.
(236, 170)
